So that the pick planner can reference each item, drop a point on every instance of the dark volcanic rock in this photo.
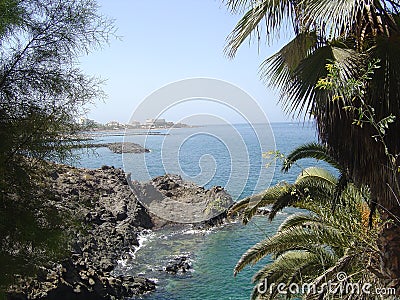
(174, 200)
(180, 264)
(125, 147)
(113, 217)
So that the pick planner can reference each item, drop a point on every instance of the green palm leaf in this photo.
(251, 205)
(239, 206)
(311, 150)
(299, 219)
(337, 16)
(349, 34)
(315, 174)
(271, 12)
(308, 245)
(313, 184)
(280, 67)
(285, 269)
(297, 238)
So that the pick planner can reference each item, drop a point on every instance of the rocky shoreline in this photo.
(113, 218)
(173, 199)
(118, 147)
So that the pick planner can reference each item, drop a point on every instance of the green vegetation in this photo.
(42, 93)
(313, 245)
(355, 101)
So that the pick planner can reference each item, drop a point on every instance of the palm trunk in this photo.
(389, 244)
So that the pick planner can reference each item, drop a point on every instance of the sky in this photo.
(166, 41)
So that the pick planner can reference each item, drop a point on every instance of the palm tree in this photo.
(313, 246)
(311, 183)
(349, 33)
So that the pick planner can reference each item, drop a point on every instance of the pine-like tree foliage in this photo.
(42, 94)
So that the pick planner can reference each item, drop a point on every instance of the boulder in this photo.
(180, 264)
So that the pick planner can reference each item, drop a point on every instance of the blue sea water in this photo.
(215, 252)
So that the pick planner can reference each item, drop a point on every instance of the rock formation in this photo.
(112, 217)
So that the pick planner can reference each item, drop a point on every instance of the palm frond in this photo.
(285, 269)
(239, 206)
(273, 13)
(251, 205)
(297, 238)
(347, 33)
(338, 17)
(292, 262)
(310, 150)
(315, 186)
(351, 18)
(299, 219)
(354, 146)
(340, 265)
(298, 95)
(279, 68)
(313, 183)
(286, 199)
(238, 6)
(298, 92)
(314, 176)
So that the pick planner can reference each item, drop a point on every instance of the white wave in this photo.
(155, 280)
(197, 231)
(122, 262)
(143, 238)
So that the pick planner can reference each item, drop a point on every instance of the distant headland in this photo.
(92, 125)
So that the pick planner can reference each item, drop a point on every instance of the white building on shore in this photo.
(155, 122)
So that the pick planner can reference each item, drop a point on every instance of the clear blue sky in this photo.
(164, 41)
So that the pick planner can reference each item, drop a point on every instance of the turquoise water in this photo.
(213, 253)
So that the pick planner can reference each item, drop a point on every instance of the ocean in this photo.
(208, 155)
